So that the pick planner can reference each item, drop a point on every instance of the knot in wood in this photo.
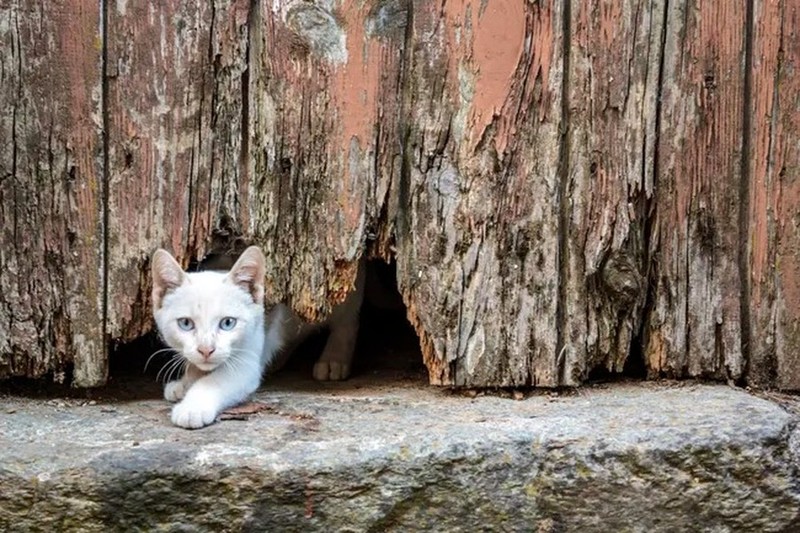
(621, 279)
(319, 29)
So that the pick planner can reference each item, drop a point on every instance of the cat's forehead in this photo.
(208, 292)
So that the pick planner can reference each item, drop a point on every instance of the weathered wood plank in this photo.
(175, 113)
(615, 57)
(51, 187)
(477, 239)
(694, 327)
(774, 171)
(231, 206)
(324, 100)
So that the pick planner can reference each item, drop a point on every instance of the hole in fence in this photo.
(387, 347)
(633, 369)
(387, 339)
(133, 367)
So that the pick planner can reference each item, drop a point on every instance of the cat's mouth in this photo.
(206, 367)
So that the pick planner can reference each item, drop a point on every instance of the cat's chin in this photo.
(206, 367)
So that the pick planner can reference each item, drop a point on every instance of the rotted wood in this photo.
(324, 109)
(477, 234)
(51, 191)
(561, 184)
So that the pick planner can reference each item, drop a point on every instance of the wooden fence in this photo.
(564, 185)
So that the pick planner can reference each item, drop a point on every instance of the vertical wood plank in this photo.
(324, 96)
(614, 83)
(478, 237)
(175, 114)
(231, 206)
(694, 327)
(51, 186)
(774, 168)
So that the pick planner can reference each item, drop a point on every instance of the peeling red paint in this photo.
(476, 216)
(488, 42)
(355, 89)
(499, 37)
(160, 97)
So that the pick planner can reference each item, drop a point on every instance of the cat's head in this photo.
(207, 316)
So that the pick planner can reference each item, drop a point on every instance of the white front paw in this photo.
(194, 415)
(174, 391)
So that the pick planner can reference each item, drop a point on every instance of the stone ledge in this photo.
(343, 458)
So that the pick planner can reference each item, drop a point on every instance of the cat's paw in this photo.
(174, 391)
(194, 415)
(331, 370)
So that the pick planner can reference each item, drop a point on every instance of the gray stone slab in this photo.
(405, 458)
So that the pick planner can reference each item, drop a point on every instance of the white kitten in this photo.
(215, 321)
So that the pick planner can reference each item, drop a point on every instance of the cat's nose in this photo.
(205, 351)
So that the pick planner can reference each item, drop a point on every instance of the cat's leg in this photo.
(176, 390)
(214, 392)
(336, 360)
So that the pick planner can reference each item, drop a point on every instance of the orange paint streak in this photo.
(490, 45)
(499, 37)
(355, 89)
(764, 182)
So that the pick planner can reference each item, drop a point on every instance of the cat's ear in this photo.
(248, 273)
(167, 275)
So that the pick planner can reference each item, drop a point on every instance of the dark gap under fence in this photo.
(387, 345)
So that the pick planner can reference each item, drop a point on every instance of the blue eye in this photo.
(227, 323)
(186, 324)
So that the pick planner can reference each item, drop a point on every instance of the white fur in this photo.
(233, 370)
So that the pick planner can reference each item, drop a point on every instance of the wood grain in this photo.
(51, 187)
(774, 163)
(324, 148)
(477, 235)
(616, 48)
(564, 186)
(175, 111)
(694, 327)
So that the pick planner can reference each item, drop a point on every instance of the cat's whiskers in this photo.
(235, 364)
(175, 367)
(243, 351)
(181, 368)
(162, 350)
(163, 368)
(176, 360)
(241, 359)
